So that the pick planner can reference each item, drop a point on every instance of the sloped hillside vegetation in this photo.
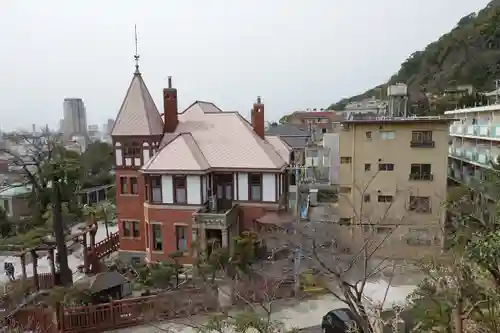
(468, 54)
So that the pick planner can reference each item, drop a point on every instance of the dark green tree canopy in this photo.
(468, 54)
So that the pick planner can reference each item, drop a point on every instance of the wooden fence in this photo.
(136, 311)
(142, 310)
(33, 318)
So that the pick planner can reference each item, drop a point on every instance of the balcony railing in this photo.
(486, 131)
(481, 157)
(220, 216)
(421, 176)
(422, 144)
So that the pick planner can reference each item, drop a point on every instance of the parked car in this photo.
(338, 321)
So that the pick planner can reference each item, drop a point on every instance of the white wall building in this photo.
(366, 106)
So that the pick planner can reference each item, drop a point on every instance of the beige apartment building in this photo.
(393, 178)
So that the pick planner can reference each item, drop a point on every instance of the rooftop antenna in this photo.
(136, 55)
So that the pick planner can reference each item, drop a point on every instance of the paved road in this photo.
(312, 329)
(304, 315)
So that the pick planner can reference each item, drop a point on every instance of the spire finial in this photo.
(136, 55)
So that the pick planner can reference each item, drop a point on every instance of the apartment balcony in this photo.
(476, 131)
(457, 129)
(218, 214)
(481, 158)
(462, 177)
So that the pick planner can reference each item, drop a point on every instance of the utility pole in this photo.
(496, 92)
(296, 169)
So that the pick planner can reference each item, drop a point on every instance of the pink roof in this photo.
(280, 146)
(169, 158)
(138, 114)
(207, 138)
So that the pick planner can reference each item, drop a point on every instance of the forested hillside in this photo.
(468, 54)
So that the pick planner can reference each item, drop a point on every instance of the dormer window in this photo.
(132, 151)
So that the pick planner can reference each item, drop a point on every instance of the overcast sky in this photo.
(295, 54)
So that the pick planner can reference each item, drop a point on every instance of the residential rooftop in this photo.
(485, 108)
(15, 190)
(200, 138)
(207, 138)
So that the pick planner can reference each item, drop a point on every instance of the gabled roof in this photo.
(286, 130)
(280, 146)
(138, 115)
(208, 138)
(296, 142)
(182, 144)
(101, 281)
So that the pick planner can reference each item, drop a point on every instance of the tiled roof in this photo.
(183, 145)
(207, 138)
(287, 129)
(296, 142)
(138, 114)
(280, 146)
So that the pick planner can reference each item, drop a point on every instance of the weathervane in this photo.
(136, 55)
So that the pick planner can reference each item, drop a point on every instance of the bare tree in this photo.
(238, 283)
(460, 290)
(346, 255)
(53, 174)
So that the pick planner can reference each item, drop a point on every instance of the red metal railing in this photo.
(107, 246)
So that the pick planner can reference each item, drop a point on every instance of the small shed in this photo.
(14, 199)
(105, 286)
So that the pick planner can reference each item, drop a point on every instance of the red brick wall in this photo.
(249, 215)
(4, 166)
(168, 219)
(131, 207)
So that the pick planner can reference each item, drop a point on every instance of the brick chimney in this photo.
(258, 117)
(170, 119)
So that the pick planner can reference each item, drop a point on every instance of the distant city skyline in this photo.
(74, 118)
(292, 55)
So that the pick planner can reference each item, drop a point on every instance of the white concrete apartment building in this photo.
(474, 144)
